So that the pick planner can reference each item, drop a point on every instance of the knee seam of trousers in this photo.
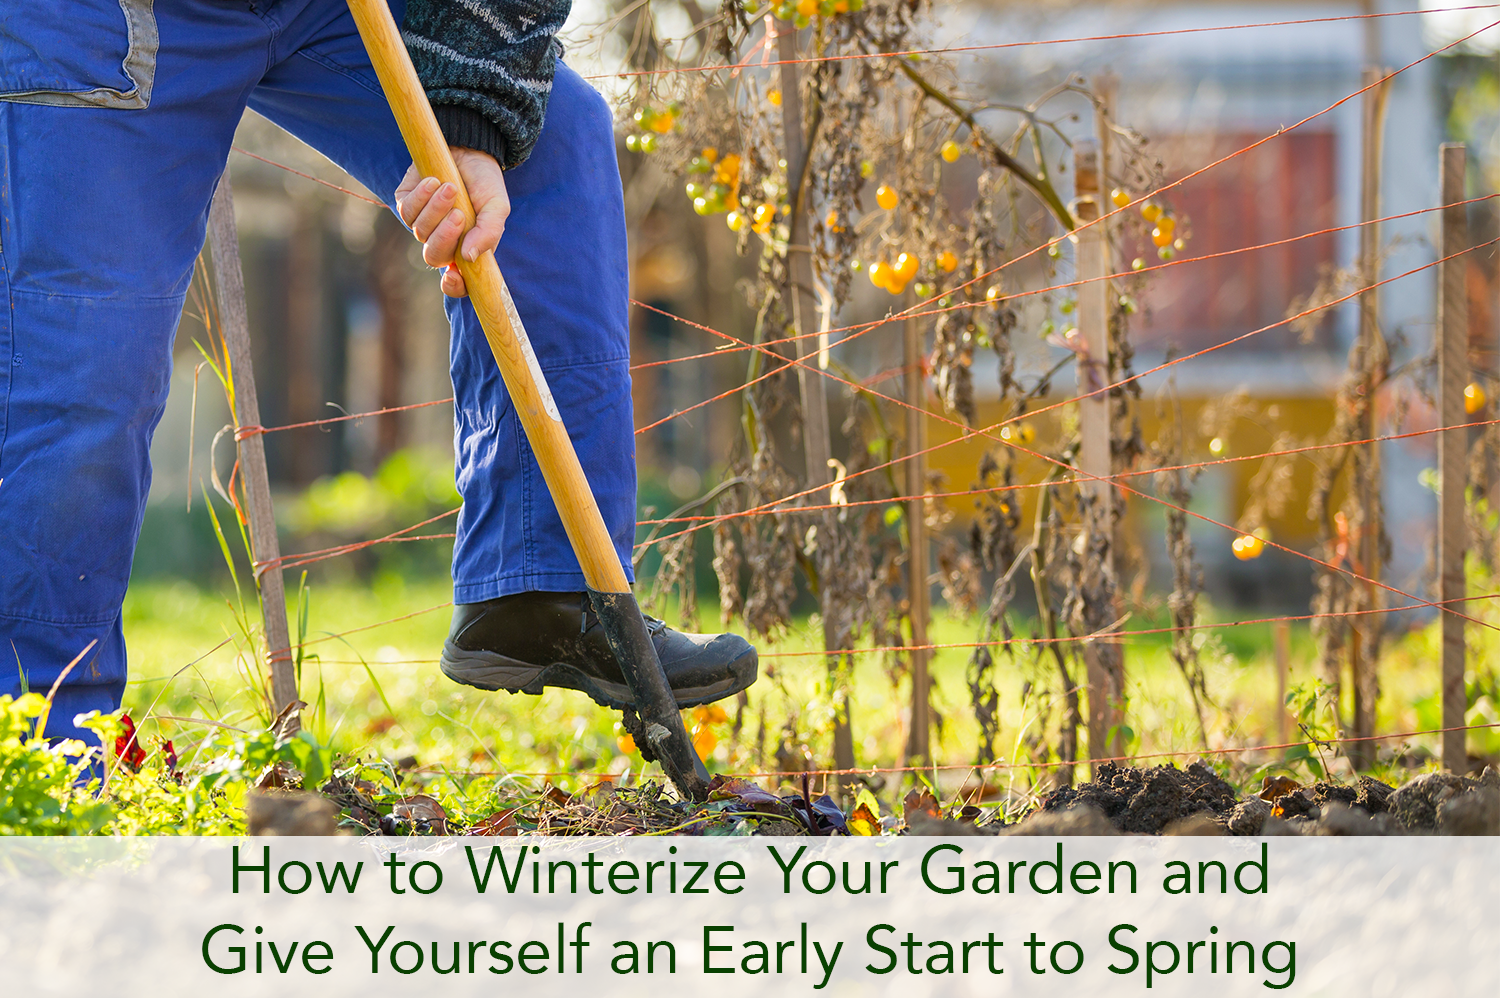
(59, 622)
(172, 299)
(582, 362)
(314, 55)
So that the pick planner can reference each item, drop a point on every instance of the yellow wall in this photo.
(1308, 418)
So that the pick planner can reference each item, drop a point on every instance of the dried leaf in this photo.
(423, 813)
(920, 801)
(747, 795)
(499, 823)
(865, 818)
(1273, 788)
(279, 776)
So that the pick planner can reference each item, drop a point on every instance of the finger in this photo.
(408, 181)
(489, 226)
(452, 283)
(415, 196)
(485, 182)
(436, 212)
(441, 245)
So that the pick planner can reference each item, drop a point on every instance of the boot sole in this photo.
(487, 670)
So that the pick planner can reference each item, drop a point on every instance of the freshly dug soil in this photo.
(1161, 800)
(1195, 801)
(1145, 801)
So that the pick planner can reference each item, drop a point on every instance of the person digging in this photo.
(114, 130)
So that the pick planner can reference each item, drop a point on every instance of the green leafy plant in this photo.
(1314, 706)
(44, 788)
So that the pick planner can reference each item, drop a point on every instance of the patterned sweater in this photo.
(487, 67)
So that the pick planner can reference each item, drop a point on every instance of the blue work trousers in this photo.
(115, 125)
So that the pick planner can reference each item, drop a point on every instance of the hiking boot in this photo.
(527, 642)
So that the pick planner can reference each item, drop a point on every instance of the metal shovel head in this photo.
(666, 737)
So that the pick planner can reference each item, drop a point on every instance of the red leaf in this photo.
(127, 748)
(169, 756)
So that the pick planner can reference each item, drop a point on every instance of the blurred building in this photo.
(1200, 96)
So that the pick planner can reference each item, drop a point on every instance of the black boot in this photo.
(529, 641)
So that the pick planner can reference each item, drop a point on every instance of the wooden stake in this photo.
(1453, 373)
(1282, 635)
(918, 749)
(265, 548)
(813, 387)
(1103, 660)
(1093, 323)
(1371, 353)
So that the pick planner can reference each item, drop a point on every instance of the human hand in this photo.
(427, 207)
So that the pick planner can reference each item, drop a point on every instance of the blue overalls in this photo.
(115, 124)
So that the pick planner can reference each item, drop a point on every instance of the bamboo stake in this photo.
(1453, 349)
(918, 749)
(811, 385)
(265, 548)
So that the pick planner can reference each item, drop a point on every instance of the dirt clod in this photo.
(1248, 816)
(1145, 801)
(290, 813)
(1416, 804)
(1082, 819)
(1476, 812)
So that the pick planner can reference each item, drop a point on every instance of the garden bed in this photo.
(1161, 800)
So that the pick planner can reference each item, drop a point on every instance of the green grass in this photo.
(172, 627)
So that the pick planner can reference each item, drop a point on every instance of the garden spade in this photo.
(659, 731)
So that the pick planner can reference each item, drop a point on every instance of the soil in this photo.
(1124, 800)
(1196, 801)
(1146, 801)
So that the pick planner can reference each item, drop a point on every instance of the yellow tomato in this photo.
(947, 262)
(1019, 433)
(1151, 211)
(736, 220)
(1159, 237)
(1473, 398)
(879, 273)
(906, 266)
(951, 151)
(992, 293)
(807, 8)
(704, 741)
(886, 197)
(774, 96)
(1119, 197)
(727, 171)
(1247, 547)
(1167, 224)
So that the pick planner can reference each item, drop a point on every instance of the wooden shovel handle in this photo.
(497, 312)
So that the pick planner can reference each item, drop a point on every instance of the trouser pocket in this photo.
(102, 53)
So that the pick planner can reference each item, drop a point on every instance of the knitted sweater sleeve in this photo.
(487, 68)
